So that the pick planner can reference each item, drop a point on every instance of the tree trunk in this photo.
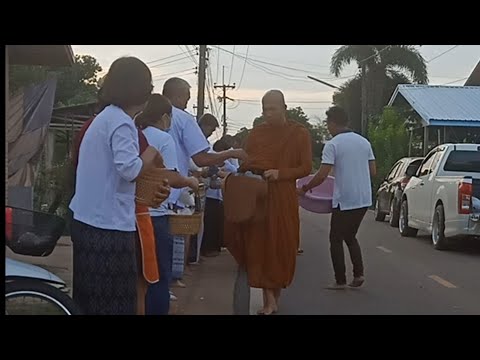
(364, 99)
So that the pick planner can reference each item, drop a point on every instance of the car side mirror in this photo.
(412, 170)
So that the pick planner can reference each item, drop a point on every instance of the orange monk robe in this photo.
(268, 249)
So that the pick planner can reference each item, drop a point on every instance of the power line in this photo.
(259, 61)
(209, 92)
(269, 71)
(192, 53)
(224, 97)
(442, 77)
(255, 57)
(231, 65)
(290, 101)
(287, 67)
(165, 76)
(264, 69)
(218, 64)
(182, 62)
(376, 53)
(209, 84)
(173, 73)
(168, 62)
(234, 106)
(164, 58)
(278, 73)
(452, 82)
(244, 65)
(443, 53)
(188, 53)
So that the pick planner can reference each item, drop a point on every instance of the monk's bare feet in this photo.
(268, 310)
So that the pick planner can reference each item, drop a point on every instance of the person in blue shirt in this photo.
(189, 140)
(105, 254)
(214, 216)
(155, 118)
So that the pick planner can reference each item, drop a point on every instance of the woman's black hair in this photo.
(157, 106)
(128, 83)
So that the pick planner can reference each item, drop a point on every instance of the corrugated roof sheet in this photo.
(443, 105)
(474, 78)
(48, 55)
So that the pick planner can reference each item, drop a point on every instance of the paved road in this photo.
(404, 275)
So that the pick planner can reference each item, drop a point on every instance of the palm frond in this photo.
(345, 54)
(408, 59)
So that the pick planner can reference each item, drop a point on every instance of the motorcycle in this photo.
(30, 289)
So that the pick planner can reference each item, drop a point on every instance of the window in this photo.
(463, 161)
(426, 167)
(393, 173)
(436, 159)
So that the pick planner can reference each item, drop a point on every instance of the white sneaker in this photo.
(173, 297)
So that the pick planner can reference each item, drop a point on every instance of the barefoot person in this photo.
(280, 149)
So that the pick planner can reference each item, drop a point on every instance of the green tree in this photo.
(296, 114)
(349, 96)
(242, 135)
(389, 138)
(379, 63)
(318, 131)
(76, 84)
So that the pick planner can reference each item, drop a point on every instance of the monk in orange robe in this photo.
(280, 149)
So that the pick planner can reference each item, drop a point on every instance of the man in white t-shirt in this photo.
(351, 157)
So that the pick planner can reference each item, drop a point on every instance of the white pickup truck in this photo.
(443, 196)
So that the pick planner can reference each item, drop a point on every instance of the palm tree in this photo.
(377, 63)
(349, 94)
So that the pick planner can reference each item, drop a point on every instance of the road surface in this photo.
(404, 276)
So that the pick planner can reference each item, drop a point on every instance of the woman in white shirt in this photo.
(105, 265)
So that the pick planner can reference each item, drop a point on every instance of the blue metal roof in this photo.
(443, 105)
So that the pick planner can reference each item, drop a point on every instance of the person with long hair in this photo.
(109, 160)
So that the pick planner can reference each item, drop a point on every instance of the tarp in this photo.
(29, 116)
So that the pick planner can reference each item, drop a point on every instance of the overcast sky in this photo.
(283, 67)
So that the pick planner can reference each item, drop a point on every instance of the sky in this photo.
(255, 69)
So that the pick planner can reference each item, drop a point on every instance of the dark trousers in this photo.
(344, 226)
(213, 226)
(158, 294)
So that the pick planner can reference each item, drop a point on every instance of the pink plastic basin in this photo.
(319, 199)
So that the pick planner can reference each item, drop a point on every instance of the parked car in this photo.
(443, 196)
(389, 194)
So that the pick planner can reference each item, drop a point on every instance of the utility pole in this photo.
(364, 99)
(224, 98)
(322, 82)
(202, 66)
(196, 110)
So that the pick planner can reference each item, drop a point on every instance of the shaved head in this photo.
(274, 96)
(274, 108)
(177, 91)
